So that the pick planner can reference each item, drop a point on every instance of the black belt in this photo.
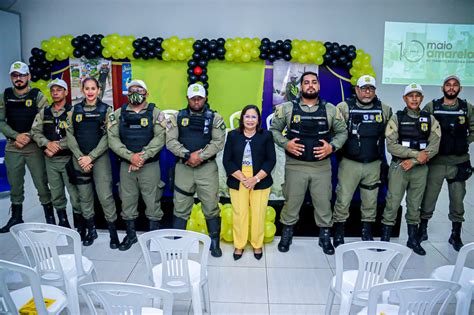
(182, 160)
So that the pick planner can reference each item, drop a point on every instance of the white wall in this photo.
(360, 23)
(10, 44)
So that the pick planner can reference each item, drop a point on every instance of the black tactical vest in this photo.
(54, 128)
(454, 128)
(366, 128)
(20, 112)
(309, 128)
(136, 129)
(413, 133)
(89, 126)
(195, 131)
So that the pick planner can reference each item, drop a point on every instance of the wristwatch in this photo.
(187, 155)
(258, 179)
(333, 148)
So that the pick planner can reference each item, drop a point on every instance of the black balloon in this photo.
(76, 42)
(221, 57)
(351, 55)
(192, 64)
(348, 64)
(212, 45)
(46, 76)
(143, 50)
(144, 40)
(151, 54)
(343, 48)
(203, 78)
(151, 44)
(333, 62)
(41, 53)
(100, 37)
(136, 54)
(77, 53)
(205, 85)
(335, 45)
(279, 53)
(351, 48)
(327, 57)
(342, 60)
(264, 48)
(197, 46)
(158, 50)
(202, 63)
(159, 40)
(35, 51)
(90, 54)
(32, 61)
(263, 56)
(192, 78)
(205, 52)
(204, 71)
(271, 57)
(97, 47)
(136, 43)
(221, 41)
(90, 43)
(205, 42)
(335, 52)
(85, 37)
(328, 45)
(265, 41)
(272, 46)
(221, 51)
(213, 55)
(197, 56)
(287, 57)
(190, 71)
(34, 77)
(286, 47)
(279, 43)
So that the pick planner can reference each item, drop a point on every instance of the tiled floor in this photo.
(296, 282)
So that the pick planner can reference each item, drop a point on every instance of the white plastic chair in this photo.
(41, 245)
(459, 274)
(269, 120)
(352, 286)
(12, 301)
(234, 117)
(126, 298)
(414, 297)
(169, 112)
(182, 264)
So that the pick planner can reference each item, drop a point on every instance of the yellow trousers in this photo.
(245, 202)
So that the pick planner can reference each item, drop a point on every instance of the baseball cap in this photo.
(366, 80)
(449, 77)
(413, 87)
(196, 89)
(58, 82)
(139, 83)
(19, 67)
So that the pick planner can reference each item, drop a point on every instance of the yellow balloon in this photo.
(319, 60)
(49, 56)
(191, 225)
(270, 214)
(246, 57)
(229, 56)
(270, 229)
(237, 52)
(45, 45)
(267, 240)
(227, 234)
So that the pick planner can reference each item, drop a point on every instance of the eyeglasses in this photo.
(367, 88)
(18, 75)
(137, 90)
(250, 116)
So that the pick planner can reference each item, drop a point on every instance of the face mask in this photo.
(136, 98)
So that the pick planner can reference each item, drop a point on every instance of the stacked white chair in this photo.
(235, 117)
(414, 297)
(41, 245)
(374, 259)
(459, 274)
(12, 301)
(181, 265)
(126, 298)
(169, 112)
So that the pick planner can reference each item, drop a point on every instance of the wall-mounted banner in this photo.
(98, 68)
(426, 53)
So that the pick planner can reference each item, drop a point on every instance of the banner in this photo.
(426, 53)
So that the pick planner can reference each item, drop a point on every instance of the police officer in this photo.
(195, 135)
(18, 108)
(452, 163)
(412, 138)
(136, 133)
(366, 117)
(316, 129)
(49, 132)
(87, 139)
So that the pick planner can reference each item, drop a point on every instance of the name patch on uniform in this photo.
(28, 103)
(424, 126)
(296, 118)
(423, 119)
(462, 120)
(78, 118)
(185, 122)
(144, 122)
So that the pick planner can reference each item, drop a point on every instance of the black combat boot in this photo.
(62, 218)
(49, 213)
(153, 225)
(286, 238)
(455, 238)
(214, 228)
(114, 240)
(423, 230)
(325, 240)
(91, 232)
(386, 233)
(366, 233)
(15, 219)
(413, 242)
(79, 224)
(131, 237)
(179, 223)
(338, 238)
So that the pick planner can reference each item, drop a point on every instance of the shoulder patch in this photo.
(279, 111)
(111, 117)
(223, 126)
